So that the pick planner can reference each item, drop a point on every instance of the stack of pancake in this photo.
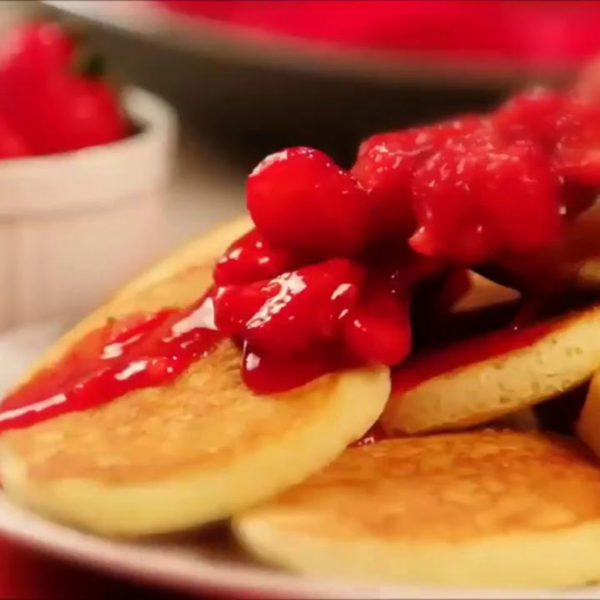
(494, 503)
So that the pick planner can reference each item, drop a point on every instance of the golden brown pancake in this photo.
(564, 357)
(482, 508)
(588, 275)
(167, 458)
(582, 249)
(588, 424)
(482, 293)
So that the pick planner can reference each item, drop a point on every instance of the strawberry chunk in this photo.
(481, 195)
(378, 328)
(521, 197)
(385, 166)
(293, 311)
(12, 144)
(532, 114)
(577, 152)
(301, 200)
(252, 258)
(451, 224)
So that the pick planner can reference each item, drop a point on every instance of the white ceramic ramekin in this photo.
(75, 226)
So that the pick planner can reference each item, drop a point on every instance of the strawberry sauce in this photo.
(268, 375)
(435, 362)
(144, 351)
(123, 356)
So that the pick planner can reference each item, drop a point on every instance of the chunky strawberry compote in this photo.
(328, 277)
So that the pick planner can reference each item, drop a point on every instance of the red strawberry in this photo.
(378, 329)
(481, 195)
(385, 166)
(54, 108)
(74, 113)
(301, 200)
(531, 114)
(521, 197)
(451, 224)
(252, 258)
(577, 153)
(35, 51)
(295, 310)
(12, 145)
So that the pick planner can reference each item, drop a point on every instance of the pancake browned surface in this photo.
(588, 423)
(166, 458)
(478, 508)
(564, 357)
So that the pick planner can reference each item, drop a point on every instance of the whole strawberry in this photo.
(55, 106)
(12, 144)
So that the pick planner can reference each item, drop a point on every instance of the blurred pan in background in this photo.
(257, 76)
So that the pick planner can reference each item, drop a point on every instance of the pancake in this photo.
(588, 423)
(562, 357)
(167, 458)
(480, 293)
(489, 508)
(588, 275)
(583, 249)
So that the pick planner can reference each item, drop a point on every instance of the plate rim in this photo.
(185, 33)
(139, 561)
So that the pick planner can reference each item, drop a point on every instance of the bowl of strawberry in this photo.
(83, 171)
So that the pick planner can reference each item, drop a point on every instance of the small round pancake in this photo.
(479, 293)
(424, 399)
(588, 275)
(588, 423)
(168, 458)
(489, 508)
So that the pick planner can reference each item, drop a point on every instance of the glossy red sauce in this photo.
(414, 371)
(145, 351)
(268, 375)
(124, 355)
(152, 350)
